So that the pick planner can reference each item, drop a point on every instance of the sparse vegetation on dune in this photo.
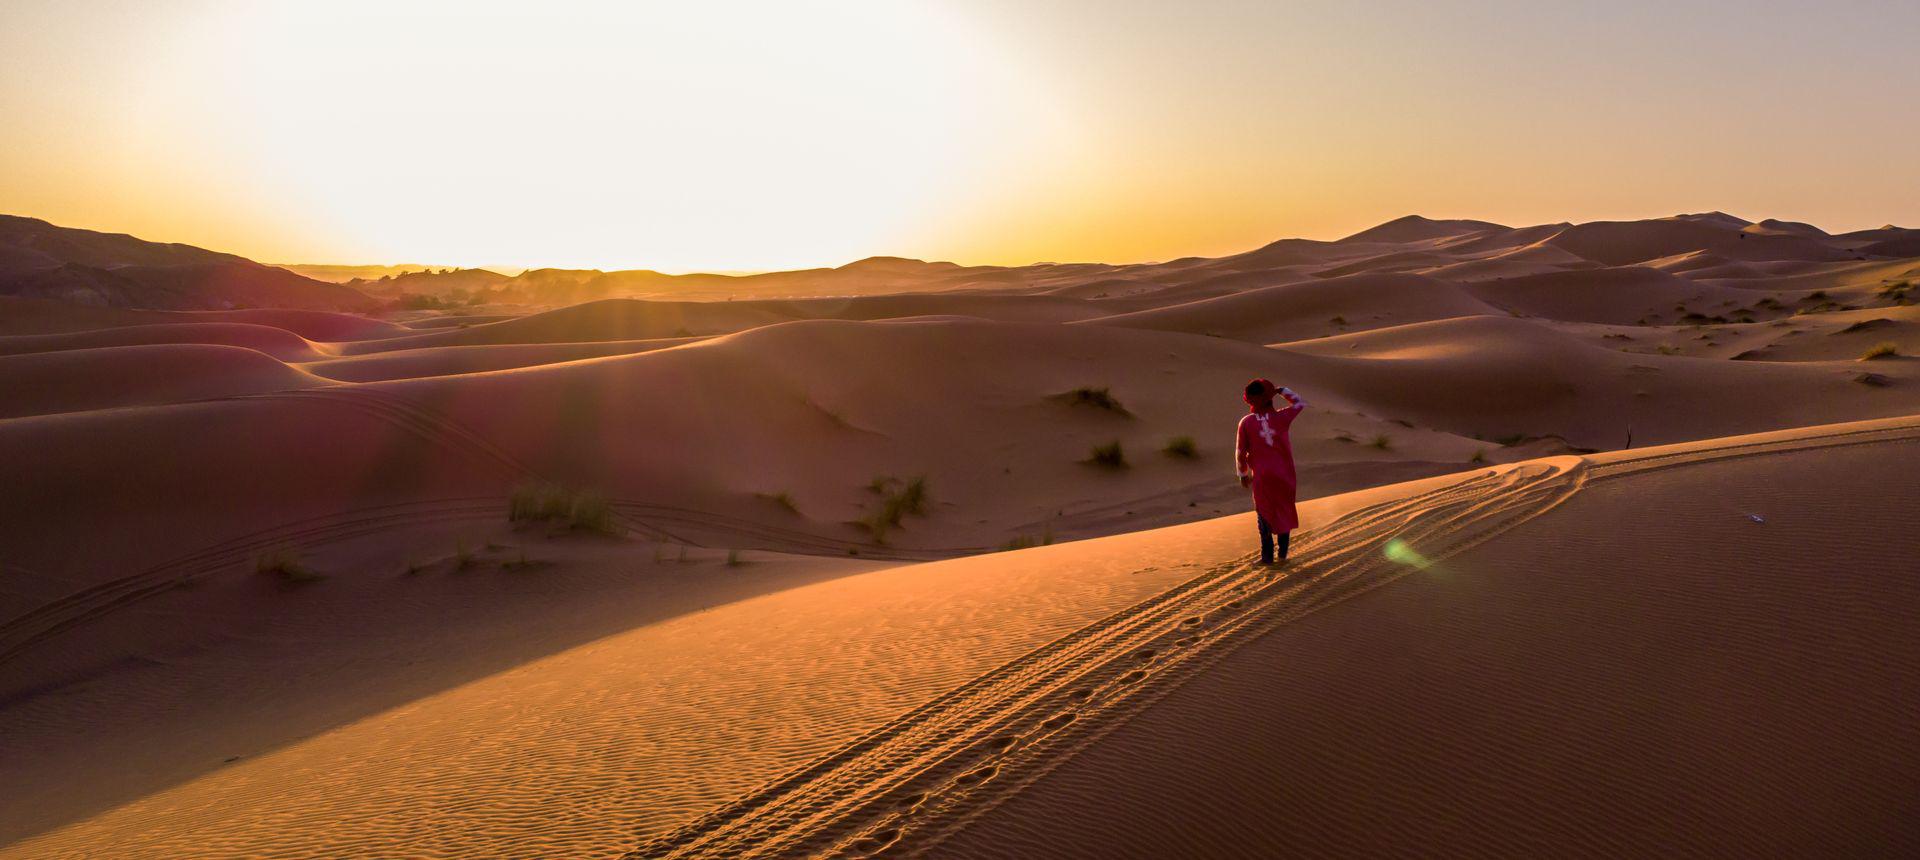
(898, 499)
(566, 507)
(782, 499)
(1479, 456)
(285, 565)
(1027, 541)
(1109, 455)
(1382, 442)
(1098, 398)
(1182, 447)
(1884, 349)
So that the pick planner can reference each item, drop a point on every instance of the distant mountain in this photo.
(346, 274)
(41, 260)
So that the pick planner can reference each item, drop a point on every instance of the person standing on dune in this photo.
(1263, 456)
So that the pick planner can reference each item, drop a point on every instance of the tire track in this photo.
(909, 780)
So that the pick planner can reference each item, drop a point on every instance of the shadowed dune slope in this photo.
(1310, 308)
(450, 360)
(1495, 377)
(277, 342)
(636, 319)
(85, 379)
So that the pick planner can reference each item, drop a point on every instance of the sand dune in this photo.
(762, 590)
(277, 342)
(1311, 308)
(76, 380)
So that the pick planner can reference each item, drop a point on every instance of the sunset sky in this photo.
(728, 135)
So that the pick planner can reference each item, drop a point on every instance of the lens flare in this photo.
(1398, 552)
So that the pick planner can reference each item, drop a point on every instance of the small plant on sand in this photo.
(1511, 439)
(568, 507)
(1340, 321)
(414, 567)
(898, 498)
(1182, 447)
(1382, 441)
(783, 499)
(1479, 456)
(284, 564)
(1665, 349)
(734, 559)
(1109, 455)
(1884, 349)
(1897, 292)
(1017, 542)
(1099, 398)
(463, 556)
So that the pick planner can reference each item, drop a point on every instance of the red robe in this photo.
(1261, 449)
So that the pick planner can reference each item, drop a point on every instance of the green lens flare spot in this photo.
(1399, 553)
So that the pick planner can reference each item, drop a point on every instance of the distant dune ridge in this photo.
(581, 563)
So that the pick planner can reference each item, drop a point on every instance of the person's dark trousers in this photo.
(1268, 539)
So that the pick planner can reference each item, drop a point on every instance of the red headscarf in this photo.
(1262, 402)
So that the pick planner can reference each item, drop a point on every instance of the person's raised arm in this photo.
(1295, 399)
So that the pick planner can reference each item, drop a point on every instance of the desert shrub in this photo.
(463, 556)
(734, 559)
(284, 564)
(1017, 542)
(1099, 398)
(569, 507)
(1338, 320)
(1511, 439)
(1109, 455)
(898, 499)
(1382, 441)
(1478, 457)
(1884, 349)
(1182, 447)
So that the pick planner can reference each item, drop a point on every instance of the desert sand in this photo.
(262, 594)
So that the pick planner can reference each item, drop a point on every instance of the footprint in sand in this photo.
(876, 841)
(977, 776)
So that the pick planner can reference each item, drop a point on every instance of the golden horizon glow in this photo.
(741, 135)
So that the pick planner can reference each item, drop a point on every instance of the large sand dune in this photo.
(261, 595)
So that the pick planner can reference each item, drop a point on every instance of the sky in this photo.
(729, 135)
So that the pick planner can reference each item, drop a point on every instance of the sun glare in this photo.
(674, 136)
